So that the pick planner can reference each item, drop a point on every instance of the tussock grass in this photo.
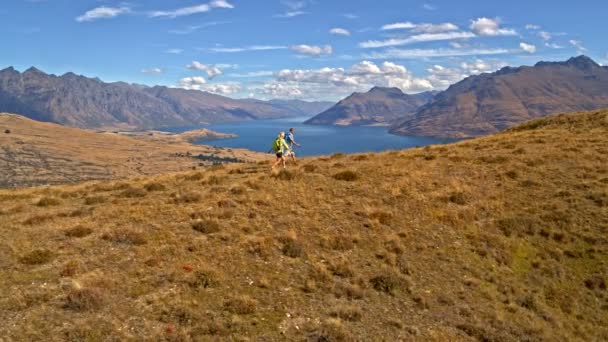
(441, 243)
(348, 176)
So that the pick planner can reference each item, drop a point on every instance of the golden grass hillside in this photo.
(37, 153)
(502, 238)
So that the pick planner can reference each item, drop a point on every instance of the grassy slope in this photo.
(500, 238)
(43, 153)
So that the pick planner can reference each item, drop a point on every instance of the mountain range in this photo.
(481, 104)
(83, 102)
(379, 106)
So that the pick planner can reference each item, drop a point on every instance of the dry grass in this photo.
(501, 238)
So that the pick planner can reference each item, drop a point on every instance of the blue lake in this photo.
(315, 140)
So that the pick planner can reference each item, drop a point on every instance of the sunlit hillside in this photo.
(502, 238)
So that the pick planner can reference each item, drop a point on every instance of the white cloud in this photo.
(544, 35)
(529, 48)
(532, 27)
(290, 14)
(212, 71)
(350, 16)
(192, 83)
(224, 89)
(312, 50)
(261, 73)
(248, 48)
(279, 90)
(102, 13)
(424, 37)
(578, 45)
(553, 46)
(152, 71)
(479, 66)
(184, 11)
(194, 28)
(294, 9)
(422, 27)
(457, 45)
(174, 51)
(429, 7)
(399, 26)
(490, 27)
(339, 31)
(428, 53)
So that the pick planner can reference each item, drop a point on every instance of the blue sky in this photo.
(295, 48)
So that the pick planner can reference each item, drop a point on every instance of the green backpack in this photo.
(276, 146)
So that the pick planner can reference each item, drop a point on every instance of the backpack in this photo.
(276, 146)
(288, 138)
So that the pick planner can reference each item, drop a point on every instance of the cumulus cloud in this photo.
(490, 27)
(312, 50)
(184, 11)
(578, 45)
(212, 71)
(224, 89)
(279, 90)
(544, 35)
(479, 66)
(339, 31)
(102, 13)
(192, 83)
(529, 48)
(152, 71)
(424, 37)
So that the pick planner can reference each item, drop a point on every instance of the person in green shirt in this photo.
(281, 149)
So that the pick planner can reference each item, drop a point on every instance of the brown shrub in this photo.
(349, 291)
(382, 216)
(78, 231)
(459, 198)
(48, 201)
(203, 278)
(188, 197)
(340, 242)
(242, 305)
(38, 219)
(126, 237)
(285, 175)
(338, 156)
(226, 203)
(330, 330)
(387, 282)
(37, 257)
(310, 168)
(292, 248)
(351, 313)
(154, 186)
(518, 225)
(342, 268)
(259, 246)
(84, 299)
(90, 200)
(347, 176)
(131, 192)
(206, 226)
(70, 268)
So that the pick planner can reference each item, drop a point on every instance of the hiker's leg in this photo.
(293, 156)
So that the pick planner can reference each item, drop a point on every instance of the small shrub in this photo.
(459, 198)
(125, 236)
(131, 192)
(188, 197)
(70, 269)
(206, 226)
(47, 202)
(361, 157)
(226, 203)
(512, 174)
(37, 219)
(348, 176)
(382, 216)
(37, 257)
(203, 279)
(342, 268)
(195, 176)
(330, 330)
(285, 175)
(94, 200)
(516, 224)
(84, 299)
(242, 305)
(349, 291)
(78, 231)
(386, 282)
(338, 156)
(292, 248)
(347, 312)
(154, 186)
(7, 131)
(237, 190)
(341, 243)
(309, 168)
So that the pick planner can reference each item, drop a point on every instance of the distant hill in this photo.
(84, 102)
(40, 153)
(488, 103)
(501, 238)
(379, 106)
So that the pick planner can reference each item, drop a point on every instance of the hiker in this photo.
(291, 141)
(281, 149)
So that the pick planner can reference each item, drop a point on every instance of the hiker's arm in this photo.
(295, 143)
